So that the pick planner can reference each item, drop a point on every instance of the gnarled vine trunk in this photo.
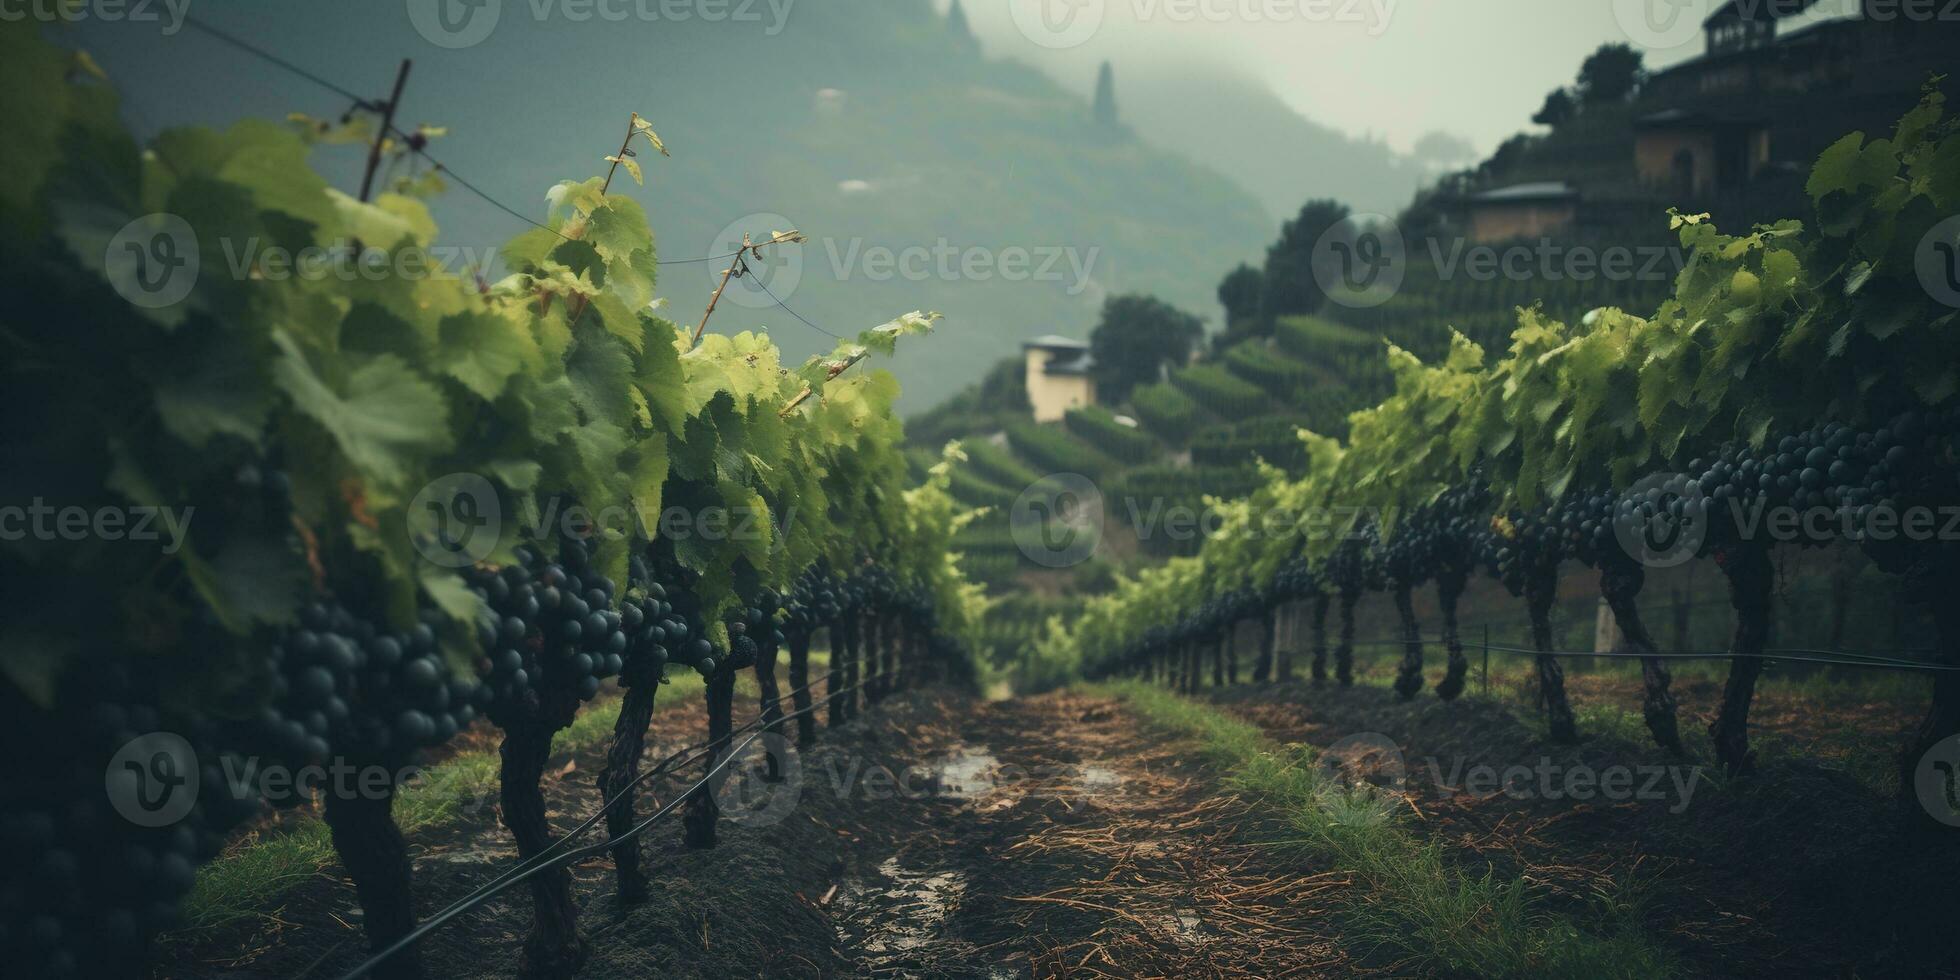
(874, 659)
(1283, 656)
(772, 707)
(1262, 670)
(622, 768)
(702, 812)
(1751, 580)
(1344, 654)
(1320, 604)
(1540, 590)
(1232, 655)
(376, 856)
(1619, 584)
(850, 651)
(554, 948)
(1930, 788)
(1408, 679)
(799, 685)
(1449, 589)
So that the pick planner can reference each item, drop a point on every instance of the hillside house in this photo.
(1058, 376)
(1522, 211)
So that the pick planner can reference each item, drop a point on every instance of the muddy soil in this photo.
(939, 835)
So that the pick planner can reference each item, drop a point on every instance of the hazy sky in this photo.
(1397, 68)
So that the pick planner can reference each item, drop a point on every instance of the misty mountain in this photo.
(1239, 126)
(926, 176)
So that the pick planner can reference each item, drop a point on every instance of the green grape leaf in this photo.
(381, 417)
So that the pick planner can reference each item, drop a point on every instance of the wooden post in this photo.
(387, 126)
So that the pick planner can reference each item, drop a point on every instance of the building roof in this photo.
(1069, 367)
(1809, 34)
(1678, 118)
(1771, 10)
(1548, 190)
(1056, 342)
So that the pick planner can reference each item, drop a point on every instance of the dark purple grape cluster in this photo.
(344, 687)
(552, 638)
(87, 877)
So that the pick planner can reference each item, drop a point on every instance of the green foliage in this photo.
(1053, 450)
(1220, 392)
(1283, 377)
(1168, 412)
(1290, 284)
(1772, 331)
(555, 384)
(1611, 74)
(1096, 426)
(1236, 445)
(990, 462)
(1137, 338)
(1243, 294)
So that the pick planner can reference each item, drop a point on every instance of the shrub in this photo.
(1168, 412)
(1053, 450)
(998, 466)
(1220, 391)
(1098, 427)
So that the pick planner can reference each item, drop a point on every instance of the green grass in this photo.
(244, 881)
(1416, 910)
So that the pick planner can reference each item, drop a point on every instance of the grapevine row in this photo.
(414, 503)
(1801, 368)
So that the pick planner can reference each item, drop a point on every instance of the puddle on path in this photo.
(890, 918)
(1097, 779)
(966, 773)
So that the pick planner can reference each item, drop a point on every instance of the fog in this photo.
(1395, 69)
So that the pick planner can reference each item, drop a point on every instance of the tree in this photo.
(1505, 157)
(1137, 337)
(1611, 74)
(1242, 292)
(962, 31)
(1559, 108)
(1106, 96)
(1290, 284)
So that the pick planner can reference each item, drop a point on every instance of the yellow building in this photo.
(1058, 376)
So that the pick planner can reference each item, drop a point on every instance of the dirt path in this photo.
(939, 835)
(1062, 840)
